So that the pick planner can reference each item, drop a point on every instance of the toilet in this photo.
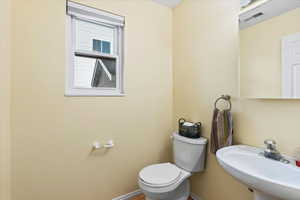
(167, 181)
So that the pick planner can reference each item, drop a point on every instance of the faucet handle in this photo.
(271, 144)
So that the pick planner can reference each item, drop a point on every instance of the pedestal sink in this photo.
(270, 179)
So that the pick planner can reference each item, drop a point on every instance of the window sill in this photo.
(93, 93)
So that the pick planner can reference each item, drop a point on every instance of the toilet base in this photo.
(182, 192)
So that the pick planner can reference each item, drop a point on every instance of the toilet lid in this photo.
(160, 174)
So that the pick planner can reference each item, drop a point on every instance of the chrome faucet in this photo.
(271, 152)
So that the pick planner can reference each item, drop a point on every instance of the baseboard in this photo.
(129, 195)
(138, 192)
(195, 197)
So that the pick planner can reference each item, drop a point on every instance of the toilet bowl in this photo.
(164, 181)
(167, 181)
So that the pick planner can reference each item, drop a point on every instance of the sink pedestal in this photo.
(262, 196)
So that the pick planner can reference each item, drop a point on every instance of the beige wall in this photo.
(260, 47)
(5, 99)
(52, 134)
(206, 66)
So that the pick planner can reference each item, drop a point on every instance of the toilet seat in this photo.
(159, 175)
(157, 178)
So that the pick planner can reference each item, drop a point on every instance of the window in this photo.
(101, 46)
(95, 52)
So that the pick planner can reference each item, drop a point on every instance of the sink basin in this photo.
(269, 179)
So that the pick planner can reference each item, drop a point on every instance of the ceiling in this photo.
(169, 3)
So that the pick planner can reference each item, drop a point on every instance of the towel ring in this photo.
(226, 98)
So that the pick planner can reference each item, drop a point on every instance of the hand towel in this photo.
(221, 130)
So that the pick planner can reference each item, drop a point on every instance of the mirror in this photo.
(270, 48)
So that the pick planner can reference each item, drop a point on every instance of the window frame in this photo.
(117, 53)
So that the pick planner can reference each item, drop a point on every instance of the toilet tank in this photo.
(189, 154)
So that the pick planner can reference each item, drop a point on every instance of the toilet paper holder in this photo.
(97, 145)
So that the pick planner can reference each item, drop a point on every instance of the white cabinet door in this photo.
(291, 66)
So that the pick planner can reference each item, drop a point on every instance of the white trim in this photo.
(138, 192)
(94, 54)
(69, 60)
(195, 197)
(263, 10)
(129, 195)
(89, 13)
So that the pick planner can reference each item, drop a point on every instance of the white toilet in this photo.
(167, 181)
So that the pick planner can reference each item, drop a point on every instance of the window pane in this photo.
(89, 35)
(97, 45)
(105, 47)
(101, 46)
(90, 72)
(104, 73)
(83, 72)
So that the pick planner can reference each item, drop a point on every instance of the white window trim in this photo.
(78, 11)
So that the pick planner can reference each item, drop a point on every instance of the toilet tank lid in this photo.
(196, 141)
